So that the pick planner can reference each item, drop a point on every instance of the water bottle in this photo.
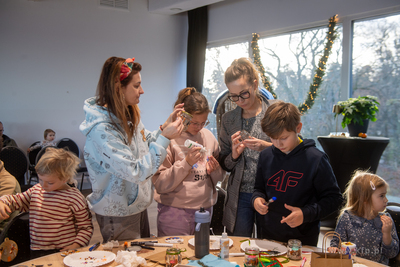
(202, 233)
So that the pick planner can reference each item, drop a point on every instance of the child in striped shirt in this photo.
(59, 217)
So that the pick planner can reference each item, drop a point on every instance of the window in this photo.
(376, 71)
(218, 59)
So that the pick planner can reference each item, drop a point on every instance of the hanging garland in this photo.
(319, 72)
(257, 62)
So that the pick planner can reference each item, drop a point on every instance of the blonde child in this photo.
(49, 136)
(186, 180)
(363, 221)
(59, 218)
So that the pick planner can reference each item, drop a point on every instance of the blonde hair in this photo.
(47, 131)
(243, 67)
(195, 102)
(280, 116)
(59, 162)
(359, 191)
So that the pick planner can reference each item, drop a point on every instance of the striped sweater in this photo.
(56, 219)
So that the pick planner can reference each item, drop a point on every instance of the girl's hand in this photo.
(29, 150)
(174, 115)
(73, 246)
(333, 250)
(256, 144)
(4, 211)
(237, 146)
(212, 165)
(260, 205)
(173, 130)
(295, 218)
(387, 225)
(194, 155)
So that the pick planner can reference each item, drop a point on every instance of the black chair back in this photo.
(41, 152)
(70, 144)
(17, 230)
(33, 153)
(218, 212)
(15, 162)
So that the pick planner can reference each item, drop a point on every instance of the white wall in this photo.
(52, 51)
(237, 18)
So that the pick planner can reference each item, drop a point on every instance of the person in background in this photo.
(7, 141)
(120, 154)
(49, 136)
(8, 186)
(186, 180)
(300, 177)
(240, 156)
(363, 221)
(55, 209)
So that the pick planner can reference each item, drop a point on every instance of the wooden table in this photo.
(57, 260)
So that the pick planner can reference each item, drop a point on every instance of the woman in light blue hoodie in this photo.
(120, 154)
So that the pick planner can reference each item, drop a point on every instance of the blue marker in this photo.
(94, 247)
(270, 200)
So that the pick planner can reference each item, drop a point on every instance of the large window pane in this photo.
(376, 71)
(218, 59)
(290, 61)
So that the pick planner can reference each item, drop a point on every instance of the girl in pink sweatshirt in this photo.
(187, 178)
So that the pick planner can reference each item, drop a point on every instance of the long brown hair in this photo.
(359, 191)
(109, 95)
(195, 102)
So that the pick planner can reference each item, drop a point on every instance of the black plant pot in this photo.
(355, 129)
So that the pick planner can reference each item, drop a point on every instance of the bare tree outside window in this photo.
(376, 71)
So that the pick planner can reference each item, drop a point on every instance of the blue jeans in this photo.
(245, 216)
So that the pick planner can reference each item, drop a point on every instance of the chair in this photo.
(16, 163)
(218, 212)
(32, 162)
(73, 147)
(17, 230)
(393, 209)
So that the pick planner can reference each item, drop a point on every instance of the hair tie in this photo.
(372, 185)
(126, 68)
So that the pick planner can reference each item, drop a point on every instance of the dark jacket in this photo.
(7, 141)
(303, 178)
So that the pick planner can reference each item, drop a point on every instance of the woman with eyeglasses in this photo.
(238, 155)
(120, 154)
(187, 178)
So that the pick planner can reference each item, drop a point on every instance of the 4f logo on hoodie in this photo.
(281, 180)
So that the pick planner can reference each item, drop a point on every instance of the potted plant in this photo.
(357, 112)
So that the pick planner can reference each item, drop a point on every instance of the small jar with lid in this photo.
(173, 257)
(251, 256)
(294, 249)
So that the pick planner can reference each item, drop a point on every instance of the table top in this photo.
(368, 138)
(57, 260)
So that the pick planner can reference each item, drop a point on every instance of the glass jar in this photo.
(173, 257)
(251, 256)
(294, 249)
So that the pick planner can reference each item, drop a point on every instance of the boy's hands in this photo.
(260, 205)
(4, 210)
(333, 250)
(237, 146)
(295, 218)
(73, 246)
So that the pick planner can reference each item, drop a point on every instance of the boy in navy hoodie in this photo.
(300, 177)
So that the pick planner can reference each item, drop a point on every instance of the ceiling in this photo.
(171, 7)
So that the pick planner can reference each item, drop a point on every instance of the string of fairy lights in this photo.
(319, 72)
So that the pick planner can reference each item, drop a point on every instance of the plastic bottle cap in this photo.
(273, 198)
(224, 234)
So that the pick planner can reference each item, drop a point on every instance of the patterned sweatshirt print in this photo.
(119, 173)
(367, 235)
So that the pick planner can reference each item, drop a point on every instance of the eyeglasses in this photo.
(204, 124)
(235, 98)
